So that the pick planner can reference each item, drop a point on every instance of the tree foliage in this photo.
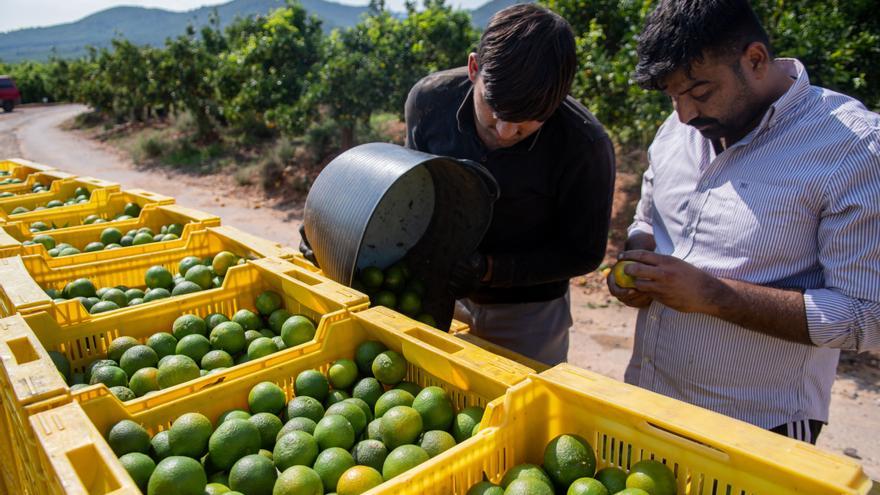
(279, 74)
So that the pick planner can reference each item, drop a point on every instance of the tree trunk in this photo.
(347, 136)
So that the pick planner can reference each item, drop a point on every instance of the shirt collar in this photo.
(464, 117)
(788, 103)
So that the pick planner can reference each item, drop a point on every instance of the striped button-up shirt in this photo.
(794, 204)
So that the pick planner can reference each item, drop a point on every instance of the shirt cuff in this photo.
(640, 227)
(831, 319)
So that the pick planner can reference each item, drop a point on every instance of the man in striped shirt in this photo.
(756, 241)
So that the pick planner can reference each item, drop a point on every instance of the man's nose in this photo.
(686, 111)
(505, 130)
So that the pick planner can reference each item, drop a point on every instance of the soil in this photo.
(602, 336)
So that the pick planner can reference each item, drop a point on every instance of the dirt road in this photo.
(33, 133)
(601, 339)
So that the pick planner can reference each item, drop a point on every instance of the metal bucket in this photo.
(378, 203)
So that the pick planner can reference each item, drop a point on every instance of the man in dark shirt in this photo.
(509, 110)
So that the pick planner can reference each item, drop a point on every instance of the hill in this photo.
(149, 26)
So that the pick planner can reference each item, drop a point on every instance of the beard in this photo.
(744, 112)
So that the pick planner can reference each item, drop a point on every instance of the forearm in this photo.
(776, 312)
(542, 266)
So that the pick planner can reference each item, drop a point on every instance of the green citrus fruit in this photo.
(465, 422)
(177, 369)
(334, 431)
(299, 480)
(303, 406)
(247, 319)
(330, 465)
(354, 414)
(297, 330)
(266, 397)
(260, 347)
(485, 488)
(200, 275)
(400, 425)
(222, 261)
(217, 359)
(295, 448)
(269, 426)
(268, 302)
(621, 278)
(392, 398)
(526, 471)
(435, 442)
(613, 478)
(403, 459)
(342, 374)
(193, 346)
(144, 381)
(253, 474)
(435, 407)
(177, 475)
(370, 453)
(567, 458)
(137, 357)
(652, 476)
(158, 277)
(587, 486)
(127, 436)
(297, 424)
(311, 383)
(232, 440)
(372, 277)
(389, 367)
(111, 376)
(139, 466)
(368, 390)
(189, 434)
(228, 336)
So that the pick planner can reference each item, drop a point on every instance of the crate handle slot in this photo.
(96, 476)
(22, 350)
(682, 438)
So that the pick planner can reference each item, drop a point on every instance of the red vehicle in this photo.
(9, 94)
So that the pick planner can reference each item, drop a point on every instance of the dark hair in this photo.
(680, 32)
(527, 62)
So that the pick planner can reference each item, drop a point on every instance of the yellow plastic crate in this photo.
(47, 178)
(23, 279)
(471, 375)
(21, 168)
(710, 454)
(61, 190)
(33, 384)
(152, 215)
(105, 204)
(22, 354)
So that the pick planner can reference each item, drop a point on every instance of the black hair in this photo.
(680, 32)
(527, 62)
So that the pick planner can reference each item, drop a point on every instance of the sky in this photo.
(19, 14)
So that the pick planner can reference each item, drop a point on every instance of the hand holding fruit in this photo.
(667, 279)
(622, 286)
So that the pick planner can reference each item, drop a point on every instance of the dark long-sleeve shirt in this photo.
(551, 221)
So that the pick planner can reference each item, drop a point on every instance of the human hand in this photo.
(672, 281)
(467, 274)
(631, 297)
(304, 247)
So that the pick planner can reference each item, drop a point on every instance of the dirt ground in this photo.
(601, 339)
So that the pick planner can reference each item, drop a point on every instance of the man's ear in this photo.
(757, 60)
(473, 67)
